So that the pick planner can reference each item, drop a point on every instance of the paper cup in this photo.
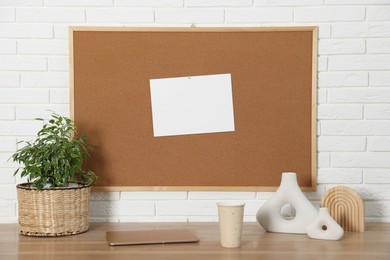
(231, 216)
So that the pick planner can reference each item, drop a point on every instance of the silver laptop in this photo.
(148, 237)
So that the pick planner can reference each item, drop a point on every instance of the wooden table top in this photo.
(257, 244)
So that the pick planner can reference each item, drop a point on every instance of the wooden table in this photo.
(257, 244)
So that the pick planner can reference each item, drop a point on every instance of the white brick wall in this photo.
(360, 30)
(20, 31)
(8, 209)
(25, 112)
(7, 46)
(122, 208)
(155, 195)
(361, 95)
(343, 79)
(85, 3)
(341, 143)
(376, 176)
(120, 15)
(329, 14)
(361, 62)
(361, 159)
(380, 78)
(15, 128)
(342, 46)
(7, 14)
(221, 3)
(378, 13)
(59, 96)
(355, 127)
(9, 79)
(44, 47)
(378, 144)
(44, 79)
(7, 112)
(288, 2)
(8, 62)
(51, 15)
(6, 176)
(58, 63)
(377, 112)
(24, 96)
(21, 2)
(378, 46)
(353, 94)
(341, 176)
(340, 112)
(7, 144)
(150, 3)
(259, 15)
(188, 15)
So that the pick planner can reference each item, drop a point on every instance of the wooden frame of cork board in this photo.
(273, 74)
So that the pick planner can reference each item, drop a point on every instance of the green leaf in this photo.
(73, 155)
(16, 172)
(54, 158)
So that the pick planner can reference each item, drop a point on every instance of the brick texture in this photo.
(353, 95)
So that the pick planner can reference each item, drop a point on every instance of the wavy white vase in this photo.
(269, 215)
(325, 227)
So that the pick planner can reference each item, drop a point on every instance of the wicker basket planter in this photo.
(53, 212)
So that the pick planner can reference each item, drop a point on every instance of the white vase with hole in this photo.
(269, 215)
(325, 227)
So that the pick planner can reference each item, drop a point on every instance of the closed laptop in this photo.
(145, 237)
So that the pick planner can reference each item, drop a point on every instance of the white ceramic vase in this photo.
(325, 227)
(269, 215)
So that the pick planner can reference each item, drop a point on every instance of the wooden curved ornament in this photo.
(346, 207)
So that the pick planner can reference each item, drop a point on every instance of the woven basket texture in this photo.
(53, 212)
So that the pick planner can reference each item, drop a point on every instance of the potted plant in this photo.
(55, 200)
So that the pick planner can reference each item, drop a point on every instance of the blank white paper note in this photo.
(192, 105)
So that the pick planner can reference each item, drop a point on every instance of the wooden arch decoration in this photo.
(346, 207)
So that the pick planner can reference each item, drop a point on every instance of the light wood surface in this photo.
(257, 244)
(346, 207)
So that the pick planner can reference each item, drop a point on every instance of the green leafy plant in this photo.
(55, 157)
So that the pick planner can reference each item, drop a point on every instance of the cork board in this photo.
(273, 75)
